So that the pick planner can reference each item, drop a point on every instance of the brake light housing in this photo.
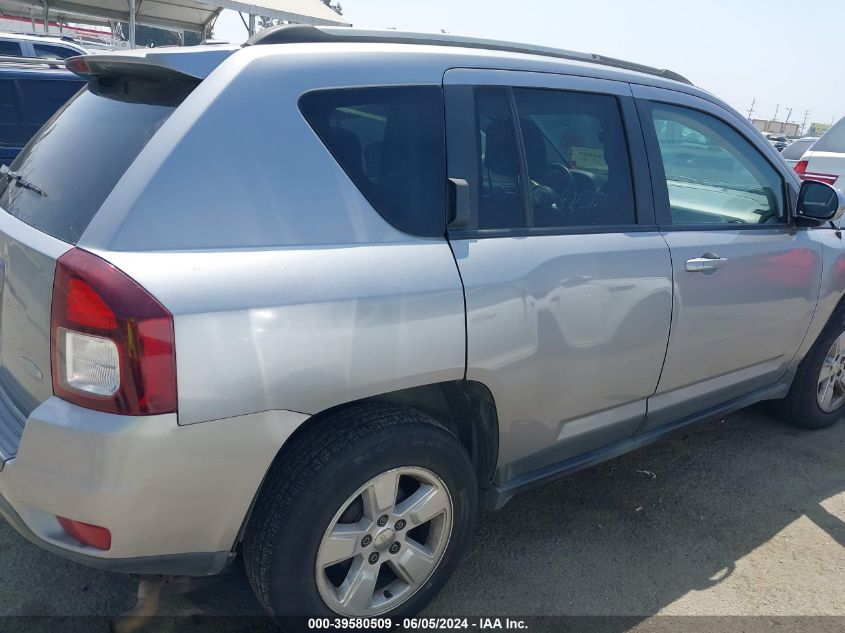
(112, 343)
(801, 170)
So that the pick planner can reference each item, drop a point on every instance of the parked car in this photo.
(793, 153)
(30, 93)
(40, 46)
(778, 141)
(825, 161)
(315, 300)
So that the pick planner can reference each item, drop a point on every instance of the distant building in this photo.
(779, 127)
(817, 129)
(80, 32)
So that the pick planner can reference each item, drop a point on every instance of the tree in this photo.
(334, 7)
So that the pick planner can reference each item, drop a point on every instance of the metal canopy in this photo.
(191, 15)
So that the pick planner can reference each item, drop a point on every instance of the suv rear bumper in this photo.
(173, 497)
(196, 564)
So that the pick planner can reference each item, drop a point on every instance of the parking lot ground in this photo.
(738, 517)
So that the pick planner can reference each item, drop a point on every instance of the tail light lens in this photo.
(113, 347)
(801, 170)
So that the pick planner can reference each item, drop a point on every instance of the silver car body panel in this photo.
(27, 263)
(737, 329)
(281, 313)
(161, 488)
(548, 318)
(330, 325)
(569, 334)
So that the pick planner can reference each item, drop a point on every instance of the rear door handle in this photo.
(705, 263)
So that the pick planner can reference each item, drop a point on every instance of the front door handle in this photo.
(705, 263)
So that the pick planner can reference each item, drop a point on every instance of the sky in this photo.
(782, 53)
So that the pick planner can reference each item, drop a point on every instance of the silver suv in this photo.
(316, 300)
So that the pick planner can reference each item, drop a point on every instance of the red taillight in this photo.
(113, 347)
(79, 66)
(87, 534)
(801, 170)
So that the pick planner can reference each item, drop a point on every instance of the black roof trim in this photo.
(304, 34)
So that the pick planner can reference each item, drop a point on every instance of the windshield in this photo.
(76, 159)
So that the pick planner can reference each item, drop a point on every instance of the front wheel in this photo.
(816, 399)
(366, 515)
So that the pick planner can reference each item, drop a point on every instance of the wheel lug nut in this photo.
(382, 520)
(394, 548)
(365, 542)
(373, 558)
(400, 524)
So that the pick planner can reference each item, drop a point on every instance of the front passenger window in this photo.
(713, 174)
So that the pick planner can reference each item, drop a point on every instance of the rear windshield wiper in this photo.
(20, 180)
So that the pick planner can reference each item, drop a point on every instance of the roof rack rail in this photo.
(53, 36)
(303, 34)
(32, 62)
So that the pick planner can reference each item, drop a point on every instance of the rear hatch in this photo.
(57, 185)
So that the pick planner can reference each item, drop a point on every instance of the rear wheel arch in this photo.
(465, 408)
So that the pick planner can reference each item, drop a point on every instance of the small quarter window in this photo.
(390, 142)
(10, 49)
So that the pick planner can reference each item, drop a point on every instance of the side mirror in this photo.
(819, 201)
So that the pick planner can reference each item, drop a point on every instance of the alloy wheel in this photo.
(384, 543)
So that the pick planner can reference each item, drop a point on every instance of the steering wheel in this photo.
(558, 177)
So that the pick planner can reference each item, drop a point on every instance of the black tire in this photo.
(315, 476)
(800, 407)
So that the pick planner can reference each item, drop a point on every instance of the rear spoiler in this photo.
(195, 62)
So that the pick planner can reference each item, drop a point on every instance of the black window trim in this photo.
(460, 109)
(659, 183)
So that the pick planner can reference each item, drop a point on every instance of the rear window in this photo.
(833, 140)
(76, 159)
(390, 142)
(796, 150)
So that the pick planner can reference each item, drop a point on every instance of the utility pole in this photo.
(783, 125)
(751, 109)
(804, 122)
(775, 118)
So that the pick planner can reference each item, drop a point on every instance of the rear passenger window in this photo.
(571, 165)
(390, 142)
(713, 174)
(9, 49)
